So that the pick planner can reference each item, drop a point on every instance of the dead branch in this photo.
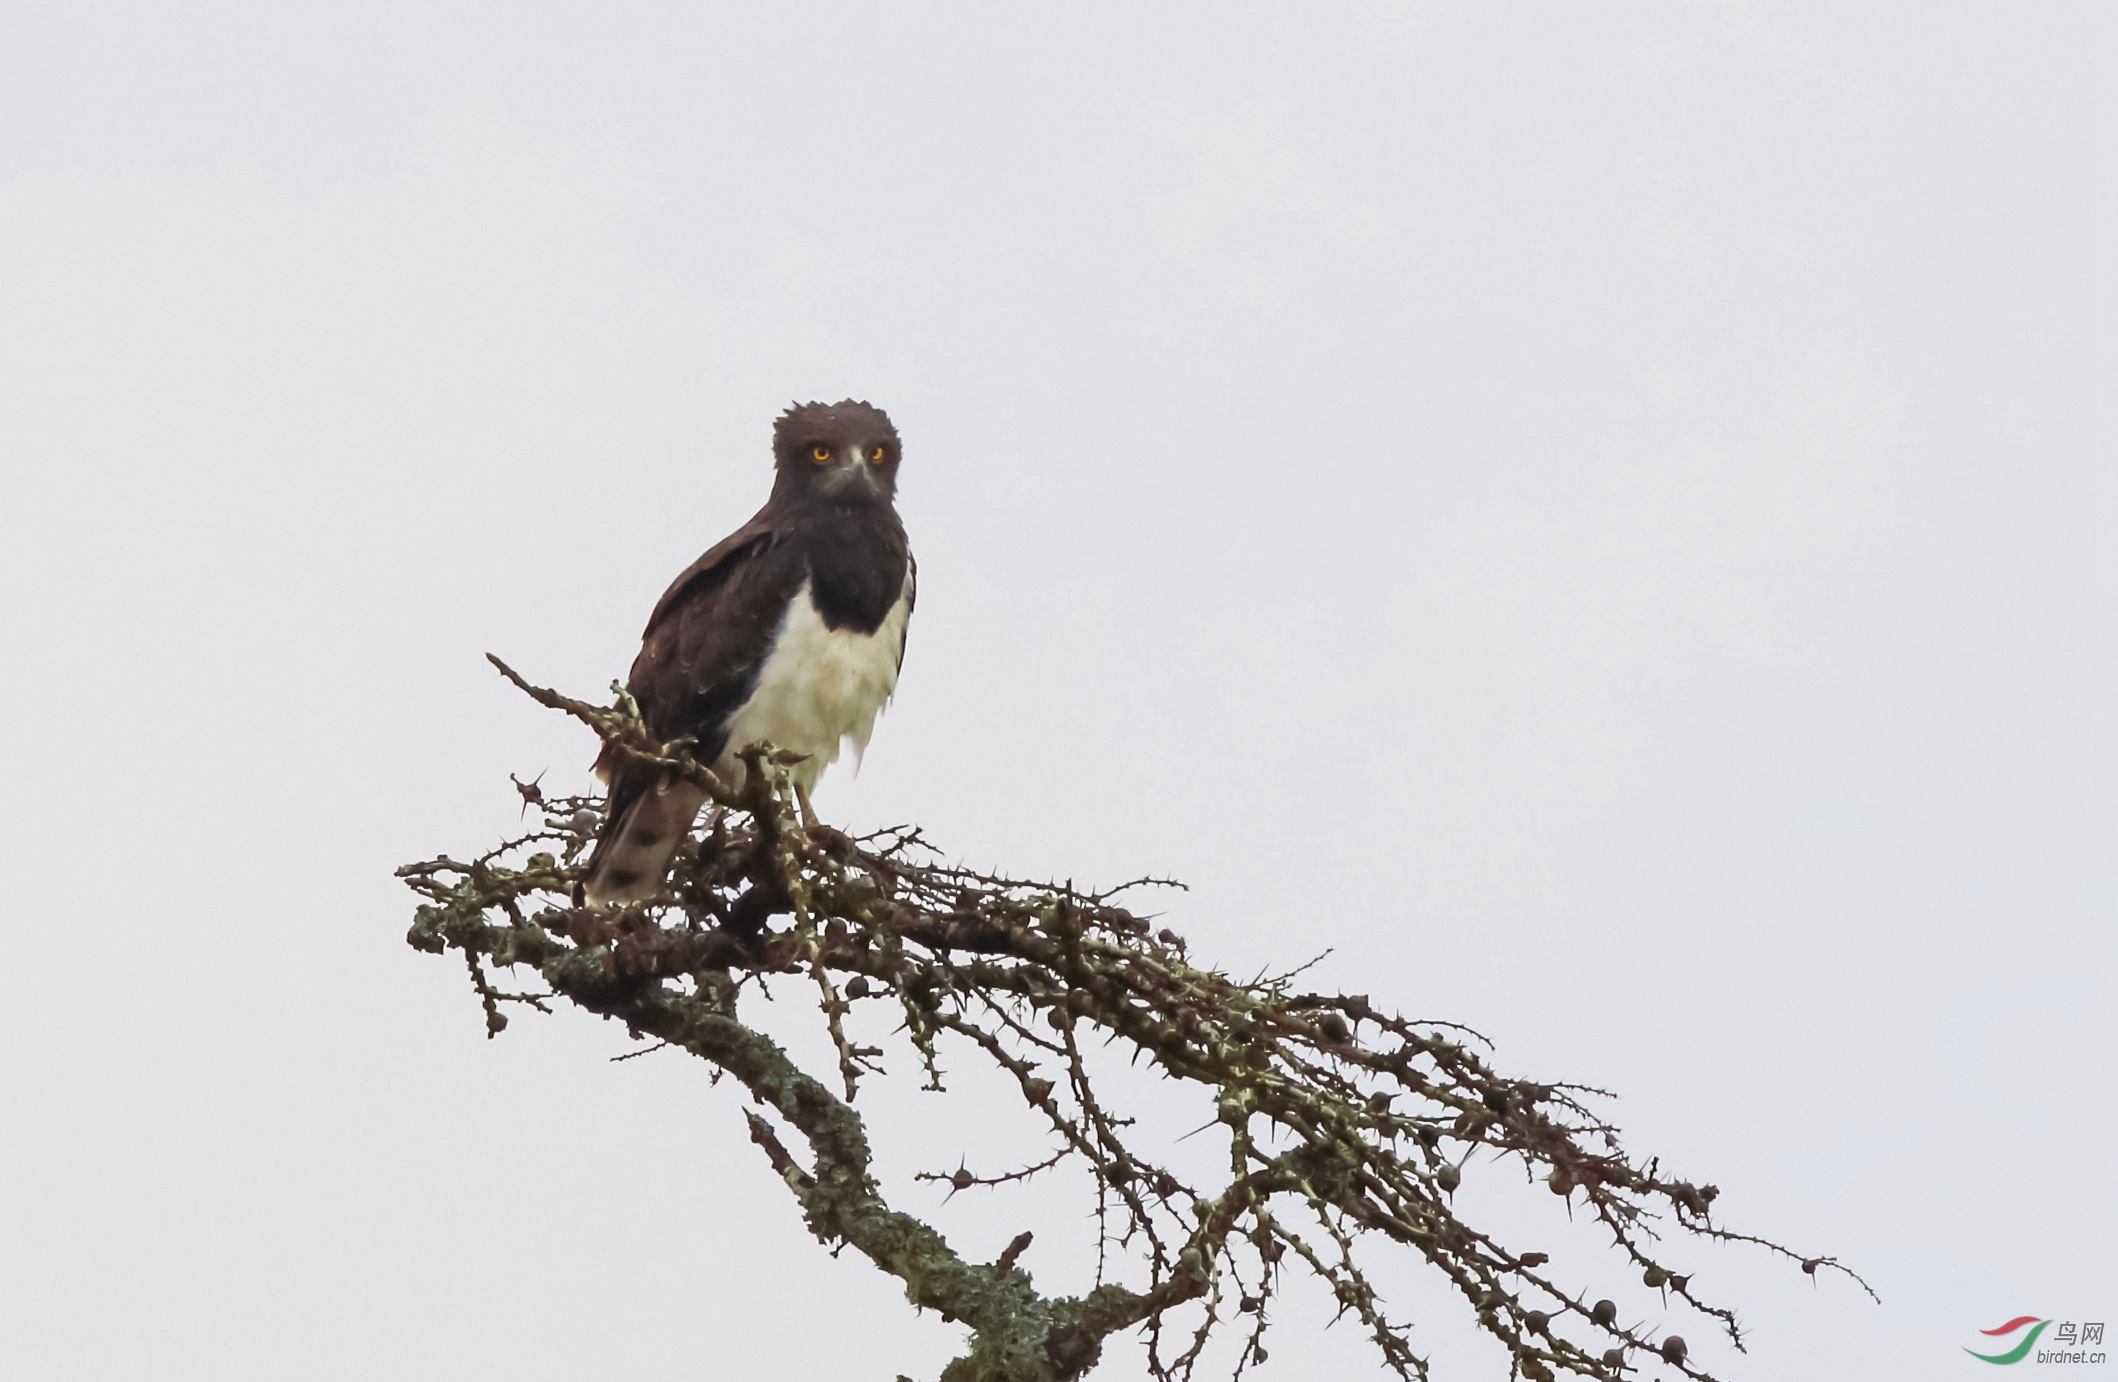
(1348, 1128)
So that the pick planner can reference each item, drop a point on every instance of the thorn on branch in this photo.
(1333, 1112)
(532, 794)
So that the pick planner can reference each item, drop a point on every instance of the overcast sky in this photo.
(1593, 514)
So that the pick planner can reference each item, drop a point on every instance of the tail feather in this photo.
(632, 854)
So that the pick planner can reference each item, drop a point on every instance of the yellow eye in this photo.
(819, 453)
(876, 455)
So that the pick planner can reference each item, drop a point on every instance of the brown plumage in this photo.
(789, 630)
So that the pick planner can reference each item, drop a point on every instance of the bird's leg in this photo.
(809, 820)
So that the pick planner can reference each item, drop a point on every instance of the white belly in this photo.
(818, 688)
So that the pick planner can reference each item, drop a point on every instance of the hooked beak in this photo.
(851, 468)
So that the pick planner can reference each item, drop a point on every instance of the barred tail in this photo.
(632, 854)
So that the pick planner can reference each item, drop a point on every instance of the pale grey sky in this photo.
(1591, 513)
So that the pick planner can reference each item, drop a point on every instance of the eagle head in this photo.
(845, 451)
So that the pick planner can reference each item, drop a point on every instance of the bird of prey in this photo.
(791, 630)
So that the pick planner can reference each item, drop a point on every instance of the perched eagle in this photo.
(791, 631)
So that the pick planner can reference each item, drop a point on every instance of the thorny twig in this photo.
(1334, 1109)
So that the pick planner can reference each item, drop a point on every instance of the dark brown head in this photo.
(846, 452)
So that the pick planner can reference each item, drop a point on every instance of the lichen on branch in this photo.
(1348, 1129)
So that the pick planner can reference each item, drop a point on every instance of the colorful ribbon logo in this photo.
(2021, 1350)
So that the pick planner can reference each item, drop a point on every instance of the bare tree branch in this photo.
(1335, 1111)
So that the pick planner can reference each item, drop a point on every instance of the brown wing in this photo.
(708, 636)
(700, 657)
(717, 565)
(911, 603)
